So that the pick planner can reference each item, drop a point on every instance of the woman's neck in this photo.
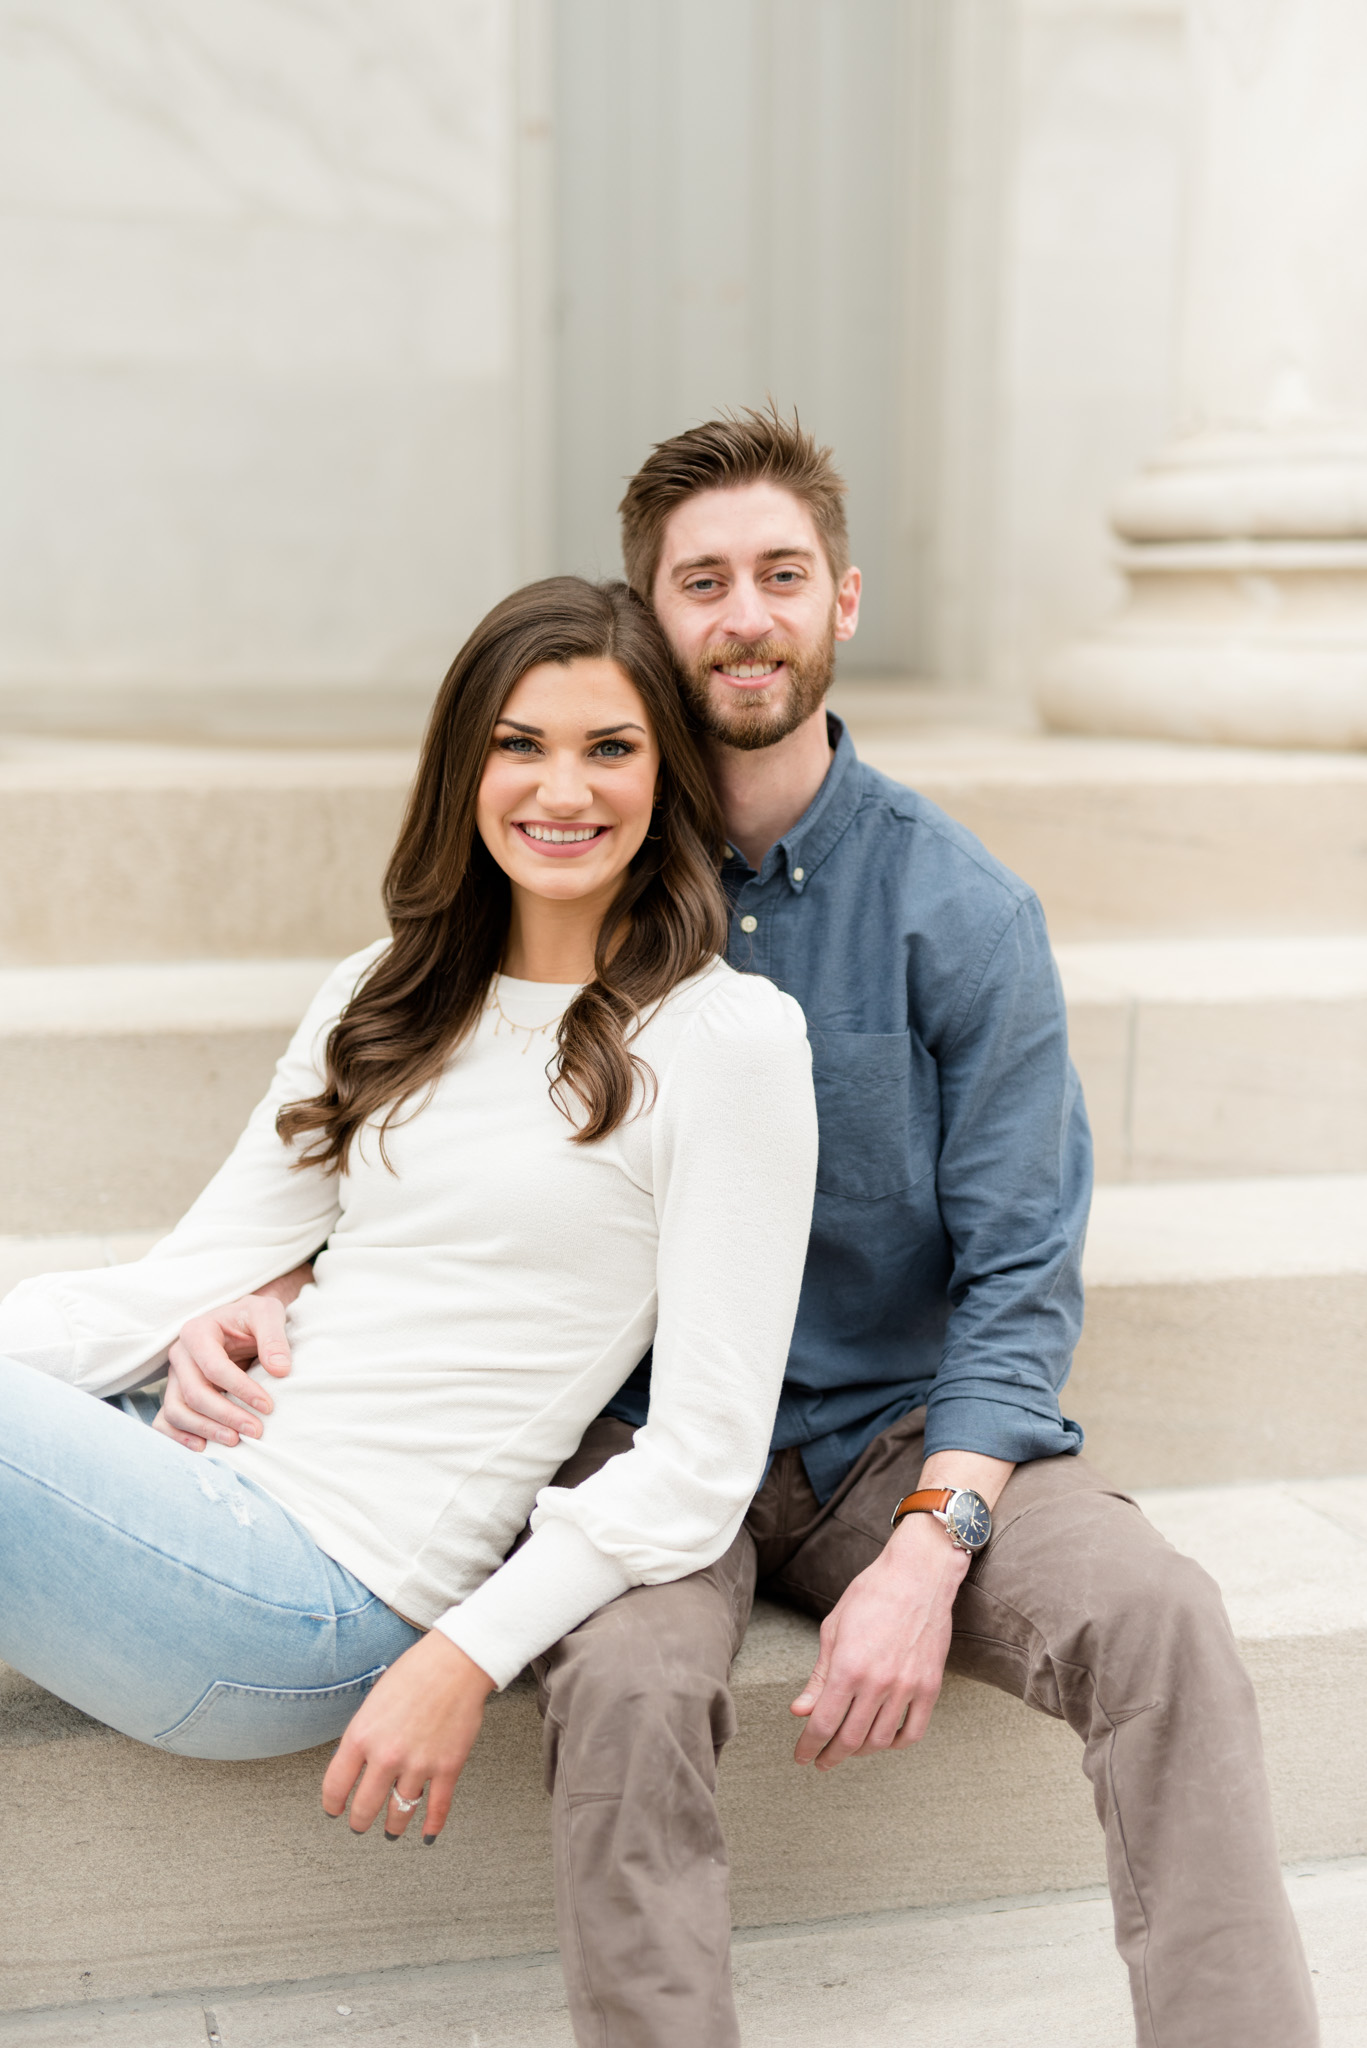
(549, 941)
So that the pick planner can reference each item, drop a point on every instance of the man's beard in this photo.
(749, 722)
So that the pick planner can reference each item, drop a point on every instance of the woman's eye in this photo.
(517, 744)
(613, 750)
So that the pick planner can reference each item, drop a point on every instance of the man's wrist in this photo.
(919, 1540)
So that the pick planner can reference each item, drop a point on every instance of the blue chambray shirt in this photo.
(955, 1165)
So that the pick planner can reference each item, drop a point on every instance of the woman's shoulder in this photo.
(723, 1005)
(339, 985)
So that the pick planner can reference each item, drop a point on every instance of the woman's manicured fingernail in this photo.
(428, 1840)
(390, 1838)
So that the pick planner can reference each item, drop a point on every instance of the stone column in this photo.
(1245, 542)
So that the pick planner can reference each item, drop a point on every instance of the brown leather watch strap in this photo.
(931, 1500)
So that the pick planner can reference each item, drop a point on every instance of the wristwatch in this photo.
(963, 1514)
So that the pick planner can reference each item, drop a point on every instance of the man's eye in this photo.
(785, 576)
(704, 585)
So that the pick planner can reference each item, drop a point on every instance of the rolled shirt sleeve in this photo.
(1014, 1182)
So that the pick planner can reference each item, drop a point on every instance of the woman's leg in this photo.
(160, 1593)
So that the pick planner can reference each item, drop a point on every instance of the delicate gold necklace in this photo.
(532, 1030)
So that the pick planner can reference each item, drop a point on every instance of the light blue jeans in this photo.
(157, 1591)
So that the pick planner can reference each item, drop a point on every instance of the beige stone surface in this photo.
(116, 1132)
(1039, 1972)
(1232, 1057)
(1176, 1382)
(1226, 1330)
(128, 1086)
(123, 853)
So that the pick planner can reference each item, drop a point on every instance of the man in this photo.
(940, 1308)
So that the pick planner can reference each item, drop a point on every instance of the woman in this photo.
(524, 1132)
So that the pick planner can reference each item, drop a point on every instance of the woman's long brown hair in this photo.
(448, 900)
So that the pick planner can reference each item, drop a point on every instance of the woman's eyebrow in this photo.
(517, 725)
(601, 732)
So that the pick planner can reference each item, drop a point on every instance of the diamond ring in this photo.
(404, 1805)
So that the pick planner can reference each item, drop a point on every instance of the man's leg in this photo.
(1079, 1607)
(636, 1712)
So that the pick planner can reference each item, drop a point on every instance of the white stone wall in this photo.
(257, 349)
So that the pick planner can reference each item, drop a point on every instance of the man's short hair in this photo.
(743, 447)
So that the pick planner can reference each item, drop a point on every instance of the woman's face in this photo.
(569, 786)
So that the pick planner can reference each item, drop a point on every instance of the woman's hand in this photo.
(206, 1385)
(416, 1728)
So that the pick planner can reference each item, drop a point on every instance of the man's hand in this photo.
(884, 1643)
(207, 1388)
(883, 1650)
(415, 1729)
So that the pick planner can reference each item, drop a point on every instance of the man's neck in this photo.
(764, 792)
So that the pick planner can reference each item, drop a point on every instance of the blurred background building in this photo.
(324, 325)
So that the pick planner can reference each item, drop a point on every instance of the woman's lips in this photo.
(559, 849)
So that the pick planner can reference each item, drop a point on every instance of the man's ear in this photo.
(847, 604)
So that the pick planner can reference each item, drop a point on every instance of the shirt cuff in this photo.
(558, 1579)
(1007, 1429)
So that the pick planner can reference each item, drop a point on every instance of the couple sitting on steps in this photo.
(686, 1199)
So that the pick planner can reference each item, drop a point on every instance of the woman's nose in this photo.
(564, 788)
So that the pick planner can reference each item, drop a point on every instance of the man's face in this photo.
(746, 597)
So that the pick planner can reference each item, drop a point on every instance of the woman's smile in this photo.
(559, 842)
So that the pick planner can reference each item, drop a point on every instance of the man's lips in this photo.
(748, 679)
(558, 842)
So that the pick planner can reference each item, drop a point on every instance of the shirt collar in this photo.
(802, 849)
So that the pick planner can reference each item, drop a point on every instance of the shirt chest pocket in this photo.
(869, 1147)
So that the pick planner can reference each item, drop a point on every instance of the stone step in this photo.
(117, 852)
(127, 1872)
(1221, 1056)
(126, 1087)
(1003, 1973)
(1226, 1331)
(128, 1084)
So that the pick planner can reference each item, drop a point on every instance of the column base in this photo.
(1239, 643)
(1226, 695)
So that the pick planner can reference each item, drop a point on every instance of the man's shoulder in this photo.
(899, 826)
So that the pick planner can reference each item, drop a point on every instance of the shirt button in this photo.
(798, 873)
(749, 924)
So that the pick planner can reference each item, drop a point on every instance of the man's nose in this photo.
(747, 617)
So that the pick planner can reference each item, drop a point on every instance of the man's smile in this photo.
(748, 674)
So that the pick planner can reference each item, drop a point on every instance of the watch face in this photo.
(968, 1519)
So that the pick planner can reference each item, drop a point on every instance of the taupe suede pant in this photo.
(1078, 1607)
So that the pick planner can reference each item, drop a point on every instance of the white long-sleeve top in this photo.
(472, 1310)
